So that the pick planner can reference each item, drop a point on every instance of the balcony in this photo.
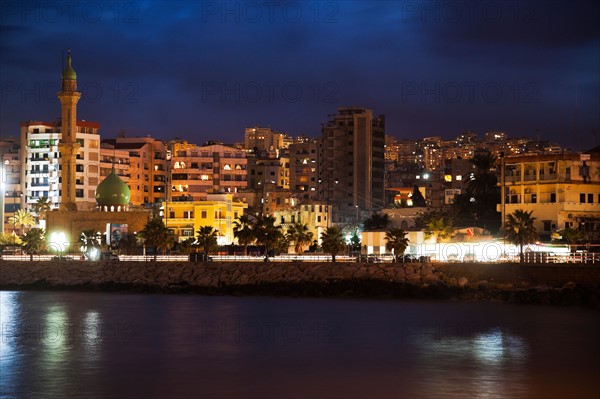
(550, 176)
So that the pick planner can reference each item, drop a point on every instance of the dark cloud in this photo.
(203, 71)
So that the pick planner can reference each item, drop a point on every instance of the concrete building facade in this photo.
(352, 165)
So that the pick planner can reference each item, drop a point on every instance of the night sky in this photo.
(206, 70)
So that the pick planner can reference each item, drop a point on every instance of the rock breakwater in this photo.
(553, 285)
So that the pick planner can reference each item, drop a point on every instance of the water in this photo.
(108, 345)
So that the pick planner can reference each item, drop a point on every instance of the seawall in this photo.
(535, 284)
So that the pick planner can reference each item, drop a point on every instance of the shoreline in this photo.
(565, 285)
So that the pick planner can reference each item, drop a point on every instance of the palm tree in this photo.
(185, 247)
(440, 227)
(42, 207)
(267, 233)
(243, 231)
(396, 241)
(377, 221)
(300, 235)
(520, 230)
(483, 181)
(155, 233)
(166, 244)
(34, 242)
(89, 239)
(572, 236)
(206, 238)
(332, 242)
(23, 219)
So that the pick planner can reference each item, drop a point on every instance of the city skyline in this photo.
(208, 72)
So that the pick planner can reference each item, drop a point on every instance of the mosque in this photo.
(112, 216)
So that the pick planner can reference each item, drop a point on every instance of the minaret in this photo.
(68, 147)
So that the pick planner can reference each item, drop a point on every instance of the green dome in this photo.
(112, 191)
(69, 72)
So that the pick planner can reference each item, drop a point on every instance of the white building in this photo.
(41, 171)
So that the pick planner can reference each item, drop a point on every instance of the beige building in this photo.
(263, 139)
(313, 214)
(304, 161)
(148, 167)
(199, 170)
(562, 190)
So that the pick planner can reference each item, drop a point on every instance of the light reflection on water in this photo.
(60, 344)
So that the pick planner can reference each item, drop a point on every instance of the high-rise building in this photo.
(43, 164)
(351, 155)
(304, 163)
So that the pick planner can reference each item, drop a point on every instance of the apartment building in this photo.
(562, 190)
(352, 164)
(148, 167)
(199, 170)
(304, 163)
(41, 171)
(11, 194)
(220, 211)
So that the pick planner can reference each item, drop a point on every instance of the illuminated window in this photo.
(204, 177)
(448, 178)
(227, 167)
(458, 177)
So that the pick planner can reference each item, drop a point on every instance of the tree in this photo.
(206, 238)
(484, 180)
(154, 234)
(520, 230)
(42, 207)
(9, 239)
(89, 239)
(476, 206)
(377, 221)
(34, 242)
(440, 227)
(243, 231)
(267, 233)
(417, 198)
(396, 241)
(300, 235)
(166, 244)
(572, 236)
(22, 219)
(185, 247)
(332, 242)
(355, 242)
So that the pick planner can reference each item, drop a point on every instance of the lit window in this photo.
(458, 177)
(204, 177)
(227, 167)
